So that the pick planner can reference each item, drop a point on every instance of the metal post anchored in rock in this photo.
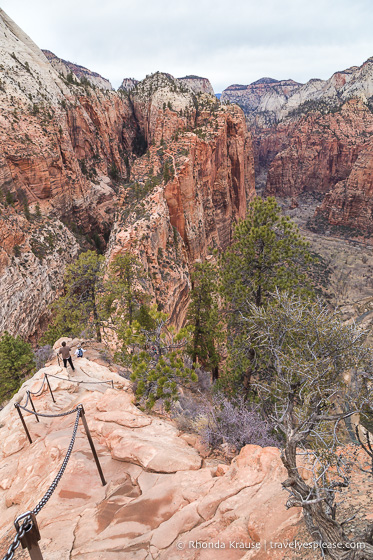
(49, 387)
(32, 404)
(95, 456)
(23, 422)
(31, 536)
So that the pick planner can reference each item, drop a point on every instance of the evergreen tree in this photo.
(79, 309)
(267, 254)
(123, 296)
(157, 360)
(203, 317)
(93, 303)
(16, 362)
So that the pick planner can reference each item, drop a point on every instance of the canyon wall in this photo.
(194, 180)
(169, 169)
(315, 138)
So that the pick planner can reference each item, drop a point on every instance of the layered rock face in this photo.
(159, 492)
(159, 163)
(33, 258)
(315, 138)
(262, 99)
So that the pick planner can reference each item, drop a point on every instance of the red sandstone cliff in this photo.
(75, 153)
(196, 178)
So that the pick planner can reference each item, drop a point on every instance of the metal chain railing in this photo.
(58, 477)
(28, 524)
(27, 533)
(111, 382)
(57, 415)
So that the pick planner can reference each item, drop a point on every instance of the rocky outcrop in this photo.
(350, 202)
(59, 141)
(128, 84)
(262, 99)
(322, 152)
(315, 138)
(160, 496)
(65, 68)
(197, 84)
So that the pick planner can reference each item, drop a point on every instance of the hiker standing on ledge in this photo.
(65, 351)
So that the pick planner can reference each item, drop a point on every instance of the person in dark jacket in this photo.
(66, 356)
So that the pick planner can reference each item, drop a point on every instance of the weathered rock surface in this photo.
(158, 493)
(128, 84)
(33, 258)
(187, 190)
(262, 99)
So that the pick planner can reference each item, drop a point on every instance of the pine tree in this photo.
(157, 360)
(123, 294)
(203, 317)
(267, 254)
(16, 362)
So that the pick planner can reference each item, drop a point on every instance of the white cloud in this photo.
(229, 42)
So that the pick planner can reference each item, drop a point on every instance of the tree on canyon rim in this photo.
(124, 300)
(203, 317)
(16, 362)
(303, 355)
(267, 254)
(78, 309)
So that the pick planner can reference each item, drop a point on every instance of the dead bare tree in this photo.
(302, 355)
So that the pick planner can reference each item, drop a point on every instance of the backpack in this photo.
(80, 353)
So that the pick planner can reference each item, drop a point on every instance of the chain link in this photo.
(27, 524)
(23, 529)
(36, 393)
(58, 477)
(76, 381)
(59, 415)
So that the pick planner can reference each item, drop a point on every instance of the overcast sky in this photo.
(230, 41)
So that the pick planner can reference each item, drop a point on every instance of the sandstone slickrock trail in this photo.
(159, 492)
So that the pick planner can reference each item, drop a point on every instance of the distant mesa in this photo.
(265, 81)
(197, 84)
(65, 67)
(192, 82)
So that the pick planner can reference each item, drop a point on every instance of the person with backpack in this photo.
(66, 356)
(79, 351)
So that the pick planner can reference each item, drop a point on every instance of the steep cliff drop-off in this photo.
(315, 138)
(166, 170)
